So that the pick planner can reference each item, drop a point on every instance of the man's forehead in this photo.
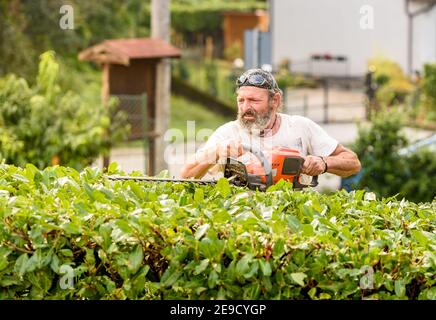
(253, 91)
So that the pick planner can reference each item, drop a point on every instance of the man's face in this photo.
(255, 109)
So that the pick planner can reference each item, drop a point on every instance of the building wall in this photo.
(425, 39)
(304, 27)
(235, 23)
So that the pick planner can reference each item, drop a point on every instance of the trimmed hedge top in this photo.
(73, 235)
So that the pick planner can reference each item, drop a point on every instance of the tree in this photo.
(44, 125)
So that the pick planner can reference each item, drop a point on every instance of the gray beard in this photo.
(260, 122)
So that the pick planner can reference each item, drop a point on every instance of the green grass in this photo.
(183, 110)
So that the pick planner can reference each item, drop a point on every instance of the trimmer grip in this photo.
(314, 182)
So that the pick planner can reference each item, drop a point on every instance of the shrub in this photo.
(392, 84)
(100, 239)
(234, 51)
(45, 125)
(428, 89)
(387, 173)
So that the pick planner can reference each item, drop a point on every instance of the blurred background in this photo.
(86, 83)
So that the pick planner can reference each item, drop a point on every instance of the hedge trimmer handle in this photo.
(314, 182)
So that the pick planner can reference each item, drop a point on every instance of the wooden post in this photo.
(160, 28)
(105, 101)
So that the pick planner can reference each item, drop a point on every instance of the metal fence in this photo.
(334, 101)
(136, 108)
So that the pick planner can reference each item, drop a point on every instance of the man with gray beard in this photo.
(259, 123)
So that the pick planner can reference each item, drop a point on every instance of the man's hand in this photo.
(342, 162)
(229, 148)
(204, 160)
(313, 166)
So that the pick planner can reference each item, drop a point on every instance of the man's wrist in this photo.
(324, 159)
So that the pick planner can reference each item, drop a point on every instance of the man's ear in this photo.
(276, 101)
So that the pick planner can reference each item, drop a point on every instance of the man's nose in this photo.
(245, 105)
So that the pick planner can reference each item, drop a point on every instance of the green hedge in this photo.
(100, 239)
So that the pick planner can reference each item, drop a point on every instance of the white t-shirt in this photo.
(295, 132)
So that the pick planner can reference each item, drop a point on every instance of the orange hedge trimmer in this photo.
(285, 164)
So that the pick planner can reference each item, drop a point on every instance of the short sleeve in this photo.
(222, 133)
(214, 138)
(320, 143)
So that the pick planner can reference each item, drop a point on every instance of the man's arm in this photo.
(198, 166)
(342, 162)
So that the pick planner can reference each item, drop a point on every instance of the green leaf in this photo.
(428, 294)
(201, 267)
(242, 266)
(201, 231)
(265, 267)
(294, 223)
(135, 259)
(211, 248)
(253, 270)
(400, 288)
(21, 264)
(89, 191)
(124, 226)
(163, 174)
(20, 177)
(213, 279)
(198, 195)
(223, 187)
(298, 277)
(66, 253)
(31, 170)
(420, 237)
(71, 228)
(324, 296)
(221, 216)
(279, 248)
(312, 293)
(308, 230)
(113, 168)
(170, 277)
(252, 291)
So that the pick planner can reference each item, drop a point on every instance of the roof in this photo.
(121, 51)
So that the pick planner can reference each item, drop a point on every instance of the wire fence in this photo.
(136, 108)
(328, 104)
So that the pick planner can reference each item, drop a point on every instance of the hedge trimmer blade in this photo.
(152, 179)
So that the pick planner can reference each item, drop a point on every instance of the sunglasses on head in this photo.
(256, 80)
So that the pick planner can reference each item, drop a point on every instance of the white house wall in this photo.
(425, 39)
(301, 28)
